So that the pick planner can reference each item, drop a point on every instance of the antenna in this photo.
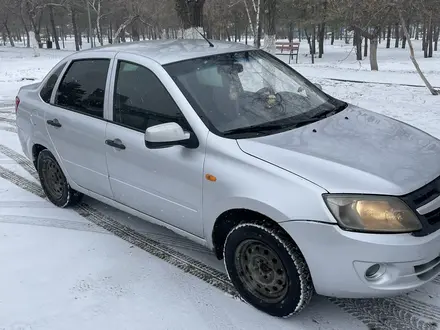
(203, 36)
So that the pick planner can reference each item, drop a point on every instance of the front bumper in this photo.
(338, 259)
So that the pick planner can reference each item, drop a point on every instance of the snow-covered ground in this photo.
(93, 267)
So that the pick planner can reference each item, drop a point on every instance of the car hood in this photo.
(354, 151)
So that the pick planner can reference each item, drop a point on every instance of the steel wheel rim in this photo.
(261, 271)
(54, 179)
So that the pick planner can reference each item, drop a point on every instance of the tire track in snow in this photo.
(8, 129)
(21, 160)
(169, 240)
(377, 314)
(27, 204)
(8, 120)
(418, 307)
(178, 259)
(53, 223)
(380, 314)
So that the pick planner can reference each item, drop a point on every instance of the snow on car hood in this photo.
(354, 151)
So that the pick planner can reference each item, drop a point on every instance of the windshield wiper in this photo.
(255, 129)
(262, 128)
(328, 113)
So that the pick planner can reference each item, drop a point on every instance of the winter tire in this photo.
(54, 182)
(267, 269)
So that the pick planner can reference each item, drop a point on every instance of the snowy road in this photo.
(100, 267)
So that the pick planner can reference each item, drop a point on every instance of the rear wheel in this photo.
(267, 269)
(54, 183)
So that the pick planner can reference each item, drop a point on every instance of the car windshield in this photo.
(250, 93)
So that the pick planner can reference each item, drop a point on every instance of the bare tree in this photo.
(190, 13)
(412, 56)
(366, 18)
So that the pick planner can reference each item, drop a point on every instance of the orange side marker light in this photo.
(210, 177)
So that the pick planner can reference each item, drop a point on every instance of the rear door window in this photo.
(83, 87)
(46, 91)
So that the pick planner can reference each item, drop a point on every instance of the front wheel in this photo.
(267, 269)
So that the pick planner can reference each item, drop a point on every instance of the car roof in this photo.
(174, 50)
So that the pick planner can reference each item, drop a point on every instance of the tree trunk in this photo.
(389, 36)
(246, 35)
(373, 54)
(290, 34)
(110, 35)
(417, 31)
(312, 54)
(190, 13)
(404, 38)
(436, 36)
(8, 34)
(404, 42)
(62, 36)
(74, 27)
(35, 28)
(357, 39)
(98, 23)
(227, 34)
(366, 47)
(347, 40)
(120, 32)
(54, 28)
(333, 38)
(424, 48)
(321, 30)
(134, 32)
(397, 34)
(26, 30)
(413, 59)
(257, 41)
(430, 37)
(270, 26)
(251, 24)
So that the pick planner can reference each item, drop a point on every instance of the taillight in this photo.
(17, 103)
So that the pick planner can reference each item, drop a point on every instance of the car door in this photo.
(163, 183)
(76, 125)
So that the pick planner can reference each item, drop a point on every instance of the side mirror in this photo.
(319, 86)
(168, 135)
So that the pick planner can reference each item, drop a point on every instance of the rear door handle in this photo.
(54, 123)
(116, 143)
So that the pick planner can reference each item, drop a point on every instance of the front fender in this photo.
(245, 182)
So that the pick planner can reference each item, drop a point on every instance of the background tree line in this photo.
(363, 23)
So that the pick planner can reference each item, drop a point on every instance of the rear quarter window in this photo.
(46, 91)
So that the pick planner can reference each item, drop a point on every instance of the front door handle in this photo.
(116, 143)
(54, 123)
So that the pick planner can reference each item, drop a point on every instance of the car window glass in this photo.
(46, 91)
(141, 101)
(210, 77)
(83, 87)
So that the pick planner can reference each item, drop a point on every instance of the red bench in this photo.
(288, 48)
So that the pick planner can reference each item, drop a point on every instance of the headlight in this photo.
(372, 213)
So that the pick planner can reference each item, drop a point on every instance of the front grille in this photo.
(433, 217)
(430, 221)
(428, 271)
